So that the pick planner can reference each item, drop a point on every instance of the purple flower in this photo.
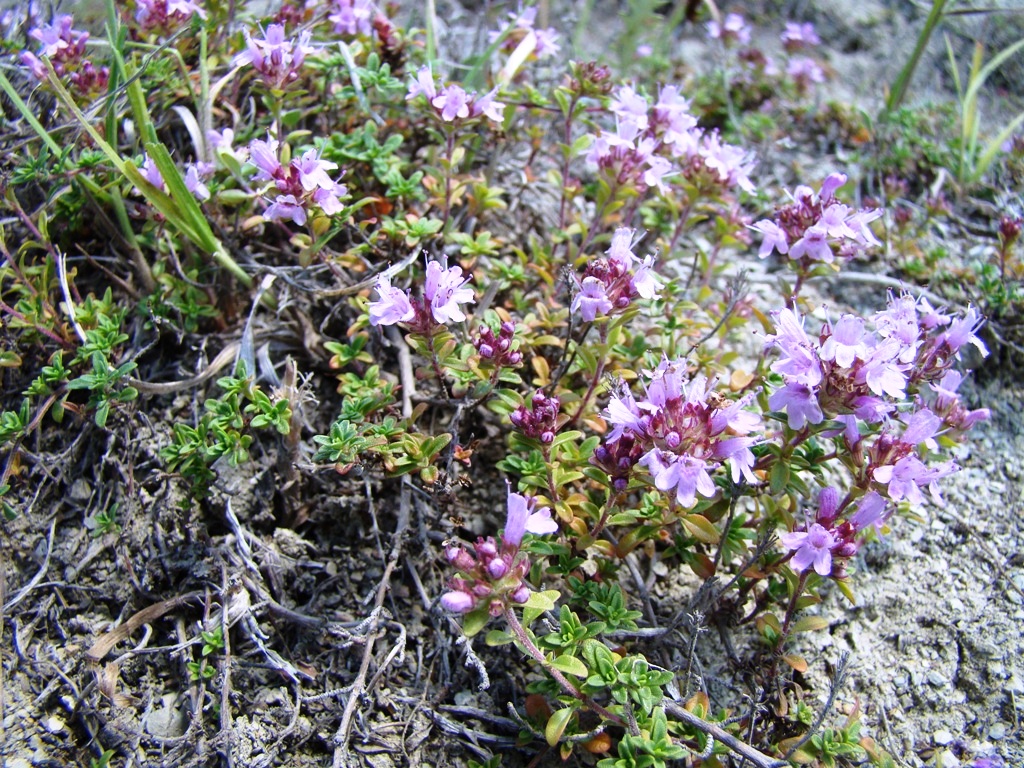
(194, 183)
(812, 548)
(392, 306)
(733, 30)
(521, 520)
(423, 85)
(800, 362)
(352, 17)
(797, 36)
(963, 330)
(774, 238)
(276, 58)
(263, 155)
(870, 511)
(286, 207)
(453, 102)
(905, 478)
(592, 299)
(444, 290)
(845, 342)
(688, 475)
(799, 402)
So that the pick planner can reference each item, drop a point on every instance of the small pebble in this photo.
(997, 732)
(936, 679)
(942, 738)
(54, 724)
(948, 760)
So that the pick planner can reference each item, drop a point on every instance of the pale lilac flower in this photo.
(194, 183)
(453, 102)
(845, 342)
(733, 30)
(686, 474)
(521, 520)
(630, 108)
(263, 155)
(963, 330)
(352, 17)
(774, 238)
(870, 511)
(732, 164)
(882, 371)
(313, 171)
(489, 107)
(799, 402)
(286, 207)
(152, 174)
(392, 306)
(223, 142)
(812, 548)
(797, 36)
(444, 290)
(545, 40)
(423, 85)
(815, 245)
(592, 299)
(905, 478)
(805, 71)
(277, 58)
(800, 361)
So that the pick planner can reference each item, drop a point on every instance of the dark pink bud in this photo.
(547, 437)
(482, 590)
(460, 558)
(486, 548)
(486, 351)
(508, 328)
(521, 595)
(515, 358)
(672, 440)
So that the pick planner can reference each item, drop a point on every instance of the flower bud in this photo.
(672, 440)
(547, 437)
(460, 558)
(508, 328)
(486, 548)
(486, 351)
(482, 590)
(497, 568)
(457, 602)
(521, 595)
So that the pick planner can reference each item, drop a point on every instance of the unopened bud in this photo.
(457, 602)
(486, 351)
(497, 568)
(460, 558)
(521, 595)
(547, 437)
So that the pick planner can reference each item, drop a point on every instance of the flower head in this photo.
(392, 305)
(811, 548)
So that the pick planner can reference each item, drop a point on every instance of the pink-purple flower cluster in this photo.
(818, 227)
(827, 538)
(521, 25)
(855, 372)
(452, 103)
(65, 48)
(277, 58)
(352, 17)
(609, 284)
(652, 143)
(195, 174)
(799, 37)
(540, 420)
(681, 431)
(851, 371)
(497, 348)
(304, 185)
(444, 290)
(492, 574)
(733, 30)
(165, 15)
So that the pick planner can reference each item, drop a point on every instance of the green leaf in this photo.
(570, 665)
(556, 725)
(475, 621)
(496, 637)
(539, 602)
(810, 624)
